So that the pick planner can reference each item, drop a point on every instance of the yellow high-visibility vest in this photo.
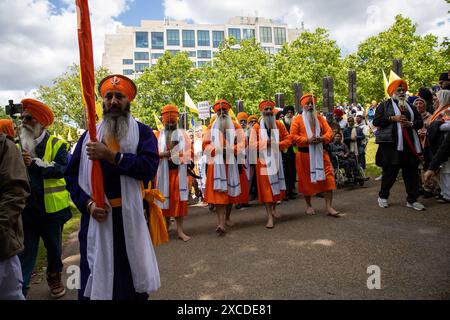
(294, 147)
(56, 197)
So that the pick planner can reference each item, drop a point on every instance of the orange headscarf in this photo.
(242, 116)
(395, 84)
(118, 82)
(266, 103)
(41, 112)
(7, 127)
(252, 118)
(220, 104)
(306, 97)
(169, 111)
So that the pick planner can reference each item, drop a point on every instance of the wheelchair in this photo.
(340, 176)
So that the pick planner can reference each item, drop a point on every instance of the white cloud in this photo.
(38, 41)
(349, 21)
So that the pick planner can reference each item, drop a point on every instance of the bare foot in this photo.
(270, 224)
(220, 231)
(276, 214)
(229, 223)
(332, 212)
(310, 211)
(184, 237)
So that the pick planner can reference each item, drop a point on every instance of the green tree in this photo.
(164, 84)
(65, 99)
(307, 60)
(423, 59)
(244, 73)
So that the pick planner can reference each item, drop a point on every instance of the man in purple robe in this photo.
(117, 259)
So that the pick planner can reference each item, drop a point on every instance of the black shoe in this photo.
(427, 195)
(320, 195)
(238, 206)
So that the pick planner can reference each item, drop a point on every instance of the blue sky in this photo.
(140, 10)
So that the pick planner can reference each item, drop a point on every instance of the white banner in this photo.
(203, 109)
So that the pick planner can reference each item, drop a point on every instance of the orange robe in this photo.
(264, 190)
(177, 208)
(216, 197)
(300, 138)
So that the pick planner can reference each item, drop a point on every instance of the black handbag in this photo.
(385, 135)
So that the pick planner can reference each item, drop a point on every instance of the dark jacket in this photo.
(14, 190)
(387, 153)
(442, 154)
(359, 138)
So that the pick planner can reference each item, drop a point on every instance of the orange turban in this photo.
(242, 116)
(220, 104)
(395, 84)
(306, 97)
(41, 112)
(266, 103)
(118, 82)
(168, 112)
(252, 118)
(6, 126)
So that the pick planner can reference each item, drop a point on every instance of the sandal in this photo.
(310, 212)
(335, 215)
(220, 231)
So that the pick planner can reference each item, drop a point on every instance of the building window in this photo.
(157, 55)
(201, 63)
(140, 67)
(157, 40)
(141, 56)
(191, 54)
(173, 37)
(127, 61)
(218, 37)
(205, 54)
(269, 50)
(265, 34)
(248, 33)
(279, 35)
(141, 39)
(189, 38)
(236, 33)
(128, 72)
(173, 52)
(203, 38)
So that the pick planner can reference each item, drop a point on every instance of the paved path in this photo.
(306, 257)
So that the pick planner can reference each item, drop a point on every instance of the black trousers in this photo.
(410, 177)
(289, 171)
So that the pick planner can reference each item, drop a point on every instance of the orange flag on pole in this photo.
(88, 90)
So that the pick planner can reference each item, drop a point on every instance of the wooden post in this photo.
(298, 92)
(328, 95)
(239, 106)
(352, 86)
(279, 100)
(397, 67)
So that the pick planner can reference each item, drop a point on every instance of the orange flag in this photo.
(88, 90)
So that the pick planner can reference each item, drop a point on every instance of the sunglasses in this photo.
(27, 118)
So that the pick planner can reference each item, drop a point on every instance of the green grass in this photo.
(371, 168)
(70, 227)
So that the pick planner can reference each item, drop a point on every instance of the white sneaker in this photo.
(379, 178)
(383, 203)
(416, 206)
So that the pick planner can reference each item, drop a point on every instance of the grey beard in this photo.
(311, 118)
(116, 127)
(168, 135)
(287, 120)
(269, 122)
(224, 123)
(27, 137)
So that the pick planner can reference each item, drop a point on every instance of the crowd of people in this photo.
(230, 162)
